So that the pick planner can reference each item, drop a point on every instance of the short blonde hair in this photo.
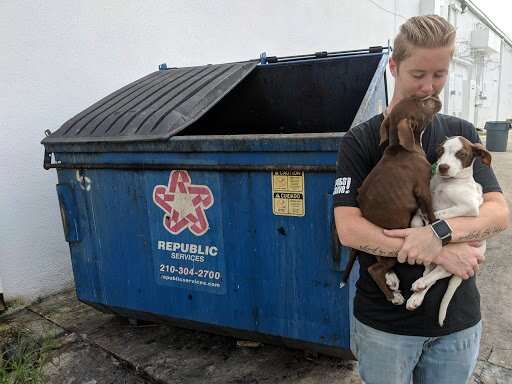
(428, 31)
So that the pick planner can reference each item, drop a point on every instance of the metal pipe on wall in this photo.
(446, 90)
(3, 307)
(502, 48)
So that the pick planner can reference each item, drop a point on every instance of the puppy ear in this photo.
(479, 150)
(384, 131)
(405, 134)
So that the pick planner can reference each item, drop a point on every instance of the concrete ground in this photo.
(93, 347)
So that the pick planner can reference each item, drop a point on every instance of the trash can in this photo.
(497, 135)
(202, 196)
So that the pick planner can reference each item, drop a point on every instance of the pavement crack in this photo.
(123, 363)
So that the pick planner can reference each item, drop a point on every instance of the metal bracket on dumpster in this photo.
(47, 155)
(47, 160)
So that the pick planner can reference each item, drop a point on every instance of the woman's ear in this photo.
(393, 66)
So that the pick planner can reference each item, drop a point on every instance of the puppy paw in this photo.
(392, 281)
(414, 301)
(398, 299)
(419, 285)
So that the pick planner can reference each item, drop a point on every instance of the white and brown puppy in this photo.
(454, 193)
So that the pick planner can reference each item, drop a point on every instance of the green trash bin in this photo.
(497, 135)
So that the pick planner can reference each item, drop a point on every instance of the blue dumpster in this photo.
(202, 196)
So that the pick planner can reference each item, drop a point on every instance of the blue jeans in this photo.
(396, 359)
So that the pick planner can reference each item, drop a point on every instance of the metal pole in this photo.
(502, 47)
(479, 84)
(446, 90)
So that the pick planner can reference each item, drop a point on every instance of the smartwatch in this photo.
(442, 230)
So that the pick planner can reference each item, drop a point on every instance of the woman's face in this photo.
(423, 73)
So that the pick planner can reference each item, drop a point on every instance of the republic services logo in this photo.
(184, 204)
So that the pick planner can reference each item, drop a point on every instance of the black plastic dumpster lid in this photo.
(154, 107)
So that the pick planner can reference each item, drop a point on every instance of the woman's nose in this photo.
(427, 87)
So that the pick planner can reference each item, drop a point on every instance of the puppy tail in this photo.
(454, 283)
(348, 268)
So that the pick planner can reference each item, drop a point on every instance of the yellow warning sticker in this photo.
(288, 193)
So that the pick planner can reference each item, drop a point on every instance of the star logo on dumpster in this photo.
(184, 204)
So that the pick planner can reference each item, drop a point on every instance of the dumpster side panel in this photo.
(271, 274)
(83, 253)
(299, 283)
(121, 237)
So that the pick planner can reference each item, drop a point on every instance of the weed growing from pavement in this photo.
(23, 356)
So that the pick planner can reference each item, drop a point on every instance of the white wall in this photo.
(58, 57)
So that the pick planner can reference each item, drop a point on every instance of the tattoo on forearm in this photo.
(482, 235)
(474, 235)
(379, 251)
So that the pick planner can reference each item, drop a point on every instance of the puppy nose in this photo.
(443, 168)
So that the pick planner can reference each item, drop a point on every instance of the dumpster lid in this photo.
(154, 107)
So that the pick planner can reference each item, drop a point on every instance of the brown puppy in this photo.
(399, 184)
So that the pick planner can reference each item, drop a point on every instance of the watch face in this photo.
(442, 228)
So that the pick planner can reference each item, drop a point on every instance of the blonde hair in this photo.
(429, 31)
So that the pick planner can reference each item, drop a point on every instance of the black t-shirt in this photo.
(359, 152)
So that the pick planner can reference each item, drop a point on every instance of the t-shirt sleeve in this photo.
(483, 174)
(351, 170)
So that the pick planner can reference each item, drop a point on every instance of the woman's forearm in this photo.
(355, 231)
(493, 218)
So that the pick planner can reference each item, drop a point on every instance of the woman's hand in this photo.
(420, 245)
(461, 259)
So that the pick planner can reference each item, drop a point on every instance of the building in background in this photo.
(480, 83)
(60, 57)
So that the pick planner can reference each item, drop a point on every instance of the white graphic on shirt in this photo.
(342, 185)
